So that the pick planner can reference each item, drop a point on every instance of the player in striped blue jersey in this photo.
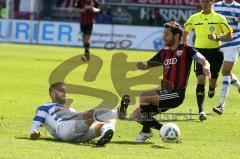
(231, 10)
(65, 124)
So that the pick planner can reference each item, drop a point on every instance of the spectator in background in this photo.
(47, 8)
(104, 17)
(88, 8)
(157, 16)
(150, 17)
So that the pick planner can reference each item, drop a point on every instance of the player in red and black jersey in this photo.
(176, 60)
(88, 8)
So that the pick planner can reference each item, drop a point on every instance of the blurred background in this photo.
(55, 22)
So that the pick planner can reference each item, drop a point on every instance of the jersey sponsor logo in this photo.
(179, 53)
(171, 61)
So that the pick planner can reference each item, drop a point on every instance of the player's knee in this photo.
(136, 116)
(201, 79)
(146, 98)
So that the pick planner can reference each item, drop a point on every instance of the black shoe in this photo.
(122, 110)
(202, 116)
(86, 57)
(105, 138)
(211, 93)
(218, 109)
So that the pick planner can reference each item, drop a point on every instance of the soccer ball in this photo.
(170, 133)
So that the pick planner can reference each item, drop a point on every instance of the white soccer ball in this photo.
(170, 133)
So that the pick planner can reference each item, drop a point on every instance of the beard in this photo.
(170, 43)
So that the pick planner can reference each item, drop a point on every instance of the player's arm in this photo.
(78, 7)
(37, 122)
(92, 8)
(198, 57)
(226, 29)
(224, 37)
(185, 37)
(188, 28)
(153, 62)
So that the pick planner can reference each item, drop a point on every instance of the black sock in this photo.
(211, 89)
(200, 93)
(148, 121)
(87, 48)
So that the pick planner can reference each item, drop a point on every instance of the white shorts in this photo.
(231, 54)
(75, 131)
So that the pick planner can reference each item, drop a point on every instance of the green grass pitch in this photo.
(24, 75)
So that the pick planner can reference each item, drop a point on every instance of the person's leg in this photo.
(86, 119)
(200, 89)
(103, 129)
(235, 82)
(200, 94)
(86, 40)
(148, 107)
(230, 57)
(149, 103)
(216, 62)
(226, 79)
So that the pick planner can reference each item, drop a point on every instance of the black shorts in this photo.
(215, 58)
(86, 29)
(166, 101)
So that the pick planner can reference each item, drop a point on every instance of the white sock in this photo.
(107, 127)
(104, 115)
(224, 89)
(235, 81)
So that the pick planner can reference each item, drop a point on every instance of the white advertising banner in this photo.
(64, 33)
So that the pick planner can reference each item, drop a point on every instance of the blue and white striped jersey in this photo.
(232, 13)
(50, 115)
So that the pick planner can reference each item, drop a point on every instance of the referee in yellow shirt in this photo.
(210, 29)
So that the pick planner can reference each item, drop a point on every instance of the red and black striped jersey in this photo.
(176, 66)
(87, 17)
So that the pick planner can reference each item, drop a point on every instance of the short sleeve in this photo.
(224, 25)
(189, 25)
(191, 51)
(156, 60)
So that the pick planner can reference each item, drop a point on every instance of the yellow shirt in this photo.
(204, 24)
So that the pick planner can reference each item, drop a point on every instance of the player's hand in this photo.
(212, 37)
(142, 65)
(35, 135)
(206, 69)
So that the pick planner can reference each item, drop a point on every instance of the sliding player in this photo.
(65, 124)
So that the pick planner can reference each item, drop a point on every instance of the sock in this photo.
(107, 127)
(87, 47)
(235, 81)
(103, 115)
(224, 89)
(200, 93)
(211, 89)
(151, 123)
(148, 121)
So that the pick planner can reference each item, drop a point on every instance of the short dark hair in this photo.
(55, 85)
(176, 28)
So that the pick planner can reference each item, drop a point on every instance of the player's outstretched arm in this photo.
(142, 65)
